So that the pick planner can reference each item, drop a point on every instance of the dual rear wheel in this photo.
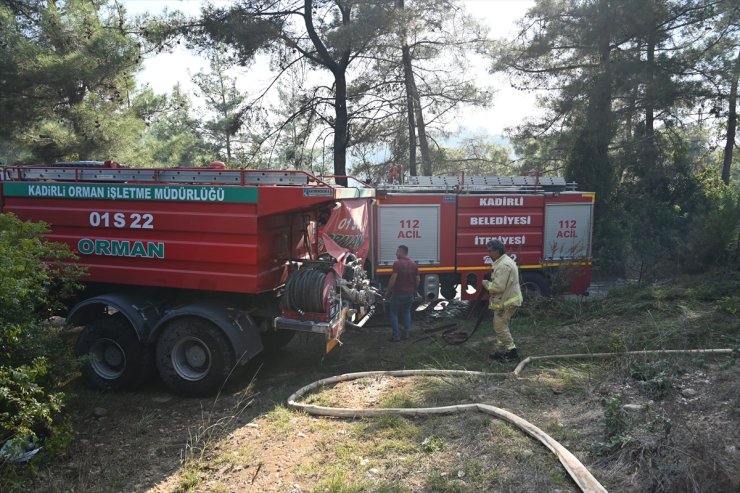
(192, 355)
(111, 355)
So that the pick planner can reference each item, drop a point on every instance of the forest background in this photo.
(636, 101)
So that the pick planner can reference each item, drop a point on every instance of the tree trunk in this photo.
(650, 93)
(412, 94)
(426, 159)
(588, 161)
(340, 127)
(339, 69)
(225, 114)
(408, 76)
(227, 125)
(649, 151)
(731, 124)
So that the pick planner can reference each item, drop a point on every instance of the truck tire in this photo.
(274, 340)
(111, 355)
(194, 357)
(533, 285)
(448, 291)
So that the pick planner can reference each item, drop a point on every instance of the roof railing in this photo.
(164, 175)
(480, 184)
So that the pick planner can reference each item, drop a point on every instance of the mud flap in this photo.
(336, 331)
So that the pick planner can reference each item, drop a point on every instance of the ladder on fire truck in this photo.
(202, 176)
(481, 184)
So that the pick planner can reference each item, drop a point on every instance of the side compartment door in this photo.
(416, 226)
(568, 230)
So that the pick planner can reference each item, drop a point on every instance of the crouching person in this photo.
(506, 297)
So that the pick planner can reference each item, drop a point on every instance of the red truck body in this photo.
(446, 222)
(190, 264)
(228, 238)
(202, 268)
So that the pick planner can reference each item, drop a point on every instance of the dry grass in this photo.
(153, 441)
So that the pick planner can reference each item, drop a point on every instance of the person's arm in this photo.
(497, 285)
(498, 282)
(500, 279)
(392, 281)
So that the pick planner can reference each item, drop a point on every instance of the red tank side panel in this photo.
(282, 200)
(185, 245)
(516, 220)
(222, 237)
(233, 245)
(280, 238)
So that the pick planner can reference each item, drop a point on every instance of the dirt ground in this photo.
(640, 425)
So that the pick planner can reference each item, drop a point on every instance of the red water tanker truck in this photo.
(195, 271)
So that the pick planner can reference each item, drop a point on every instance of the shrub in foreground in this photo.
(35, 276)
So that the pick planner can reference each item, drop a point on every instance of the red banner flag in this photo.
(348, 230)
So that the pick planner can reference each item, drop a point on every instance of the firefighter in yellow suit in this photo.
(506, 297)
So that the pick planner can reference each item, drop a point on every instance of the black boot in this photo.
(505, 357)
(512, 355)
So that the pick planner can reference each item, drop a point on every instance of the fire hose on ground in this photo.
(577, 471)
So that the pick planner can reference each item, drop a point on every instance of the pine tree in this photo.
(67, 70)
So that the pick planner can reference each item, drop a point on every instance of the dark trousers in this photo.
(402, 303)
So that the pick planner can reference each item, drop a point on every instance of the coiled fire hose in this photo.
(304, 291)
(577, 471)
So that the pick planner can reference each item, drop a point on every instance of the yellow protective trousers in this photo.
(501, 319)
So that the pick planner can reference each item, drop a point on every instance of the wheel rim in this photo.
(191, 359)
(448, 292)
(108, 359)
(531, 290)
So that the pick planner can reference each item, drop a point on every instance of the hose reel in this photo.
(309, 290)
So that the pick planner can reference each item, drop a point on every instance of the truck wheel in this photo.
(448, 291)
(533, 285)
(193, 356)
(273, 340)
(112, 356)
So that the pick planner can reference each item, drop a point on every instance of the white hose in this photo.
(582, 477)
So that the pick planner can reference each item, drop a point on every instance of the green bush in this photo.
(714, 234)
(34, 279)
(617, 425)
(655, 377)
(610, 238)
(638, 236)
(432, 444)
(728, 304)
(647, 237)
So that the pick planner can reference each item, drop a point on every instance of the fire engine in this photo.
(194, 271)
(446, 221)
